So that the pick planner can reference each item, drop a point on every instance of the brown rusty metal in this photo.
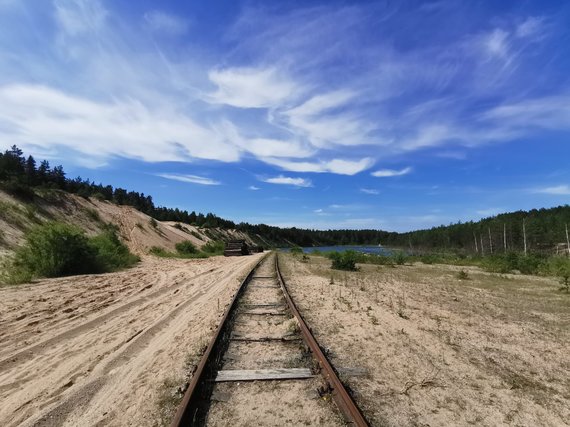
(188, 409)
(340, 395)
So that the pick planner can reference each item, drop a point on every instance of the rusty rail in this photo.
(342, 398)
(200, 387)
(192, 402)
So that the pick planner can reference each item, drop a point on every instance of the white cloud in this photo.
(193, 179)
(253, 188)
(338, 166)
(251, 87)
(369, 191)
(47, 118)
(532, 27)
(284, 180)
(80, 16)
(497, 44)
(164, 22)
(386, 173)
(551, 112)
(559, 190)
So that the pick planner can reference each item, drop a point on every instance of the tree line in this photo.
(533, 231)
(20, 174)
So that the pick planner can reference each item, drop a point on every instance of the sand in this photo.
(489, 351)
(96, 349)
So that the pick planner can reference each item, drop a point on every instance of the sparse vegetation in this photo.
(344, 260)
(153, 223)
(214, 247)
(462, 275)
(196, 235)
(55, 249)
(296, 250)
(186, 247)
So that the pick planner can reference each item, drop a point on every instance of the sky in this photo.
(395, 115)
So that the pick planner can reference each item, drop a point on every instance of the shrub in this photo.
(399, 257)
(112, 254)
(296, 250)
(344, 260)
(153, 223)
(462, 275)
(560, 267)
(56, 249)
(214, 247)
(186, 247)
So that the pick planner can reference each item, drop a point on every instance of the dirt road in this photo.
(94, 350)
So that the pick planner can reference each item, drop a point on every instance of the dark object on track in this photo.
(256, 249)
(236, 248)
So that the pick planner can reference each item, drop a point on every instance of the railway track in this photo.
(264, 367)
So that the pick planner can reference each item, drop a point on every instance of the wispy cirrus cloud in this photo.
(558, 190)
(162, 22)
(387, 173)
(370, 191)
(265, 94)
(286, 180)
(192, 179)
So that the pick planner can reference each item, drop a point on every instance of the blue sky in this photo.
(391, 115)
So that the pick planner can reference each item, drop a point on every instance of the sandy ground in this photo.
(95, 349)
(268, 403)
(489, 351)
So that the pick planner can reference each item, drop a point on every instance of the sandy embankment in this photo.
(94, 350)
(488, 351)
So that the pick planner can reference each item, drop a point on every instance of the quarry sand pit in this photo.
(488, 351)
(96, 349)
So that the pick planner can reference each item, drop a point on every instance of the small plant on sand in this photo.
(296, 250)
(399, 257)
(462, 275)
(305, 258)
(186, 247)
(344, 260)
(153, 223)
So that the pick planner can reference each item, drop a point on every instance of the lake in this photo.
(378, 250)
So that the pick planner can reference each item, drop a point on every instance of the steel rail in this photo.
(342, 398)
(188, 410)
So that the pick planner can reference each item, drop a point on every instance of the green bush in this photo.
(344, 260)
(186, 247)
(560, 267)
(296, 250)
(56, 249)
(214, 247)
(399, 257)
(112, 254)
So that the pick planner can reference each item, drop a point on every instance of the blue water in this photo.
(364, 249)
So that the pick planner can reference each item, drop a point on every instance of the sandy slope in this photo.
(93, 350)
(489, 351)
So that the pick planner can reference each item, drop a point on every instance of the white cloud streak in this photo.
(557, 190)
(192, 179)
(388, 173)
(284, 180)
(369, 191)
(163, 22)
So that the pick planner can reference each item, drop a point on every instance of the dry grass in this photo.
(442, 350)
